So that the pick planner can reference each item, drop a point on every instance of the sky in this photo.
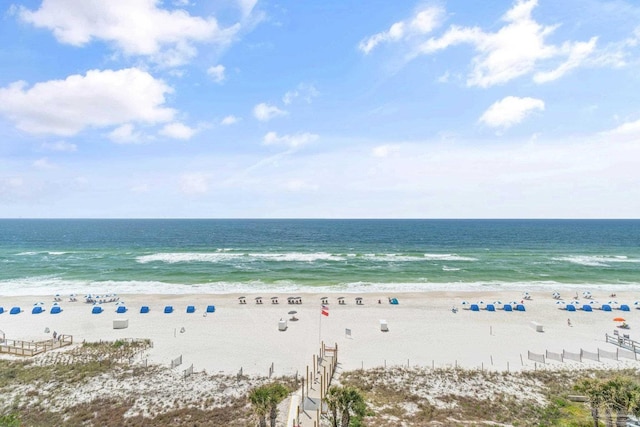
(327, 109)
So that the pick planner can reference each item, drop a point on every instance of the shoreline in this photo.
(423, 330)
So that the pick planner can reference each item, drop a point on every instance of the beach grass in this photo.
(39, 392)
(423, 397)
(96, 384)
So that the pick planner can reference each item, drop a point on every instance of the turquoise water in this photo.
(182, 256)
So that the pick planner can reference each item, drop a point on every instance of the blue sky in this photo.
(332, 109)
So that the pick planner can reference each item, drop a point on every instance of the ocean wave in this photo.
(32, 253)
(46, 285)
(449, 257)
(223, 256)
(596, 260)
(227, 256)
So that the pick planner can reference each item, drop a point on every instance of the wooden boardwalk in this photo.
(32, 348)
(307, 406)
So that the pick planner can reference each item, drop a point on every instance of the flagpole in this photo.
(320, 328)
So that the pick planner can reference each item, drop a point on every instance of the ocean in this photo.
(44, 257)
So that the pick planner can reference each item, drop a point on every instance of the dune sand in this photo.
(423, 330)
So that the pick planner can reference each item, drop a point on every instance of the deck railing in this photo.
(32, 348)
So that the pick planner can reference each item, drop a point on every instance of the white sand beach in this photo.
(423, 330)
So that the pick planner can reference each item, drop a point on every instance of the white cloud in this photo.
(61, 146)
(177, 131)
(247, 6)
(265, 112)
(382, 151)
(626, 132)
(98, 99)
(194, 183)
(43, 163)
(217, 73)
(517, 48)
(510, 111)
(577, 54)
(137, 27)
(424, 21)
(304, 91)
(229, 120)
(291, 141)
(125, 134)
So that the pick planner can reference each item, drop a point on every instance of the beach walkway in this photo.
(307, 406)
(32, 348)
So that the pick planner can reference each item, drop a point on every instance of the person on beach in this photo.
(568, 322)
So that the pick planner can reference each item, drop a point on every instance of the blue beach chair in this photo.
(56, 309)
(520, 307)
(191, 309)
(96, 310)
(211, 309)
(36, 310)
(624, 307)
(168, 309)
(491, 307)
(605, 307)
(1, 310)
(474, 307)
(586, 307)
(144, 309)
(571, 307)
(15, 310)
(507, 307)
(121, 309)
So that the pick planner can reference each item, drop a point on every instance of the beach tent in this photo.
(144, 309)
(491, 307)
(56, 309)
(586, 307)
(393, 301)
(168, 309)
(606, 307)
(624, 307)
(507, 307)
(121, 309)
(15, 310)
(520, 307)
(571, 307)
(96, 309)
(191, 309)
(475, 307)
(36, 310)
(211, 309)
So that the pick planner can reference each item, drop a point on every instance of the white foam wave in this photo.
(596, 260)
(223, 256)
(52, 285)
(226, 256)
(445, 268)
(32, 253)
(448, 257)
